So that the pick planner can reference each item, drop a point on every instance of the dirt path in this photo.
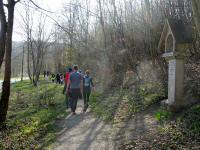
(85, 132)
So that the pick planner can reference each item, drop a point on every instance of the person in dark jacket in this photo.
(58, 78)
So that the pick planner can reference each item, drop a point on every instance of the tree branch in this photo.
(16, 1)
(6, 5)
(40, 7)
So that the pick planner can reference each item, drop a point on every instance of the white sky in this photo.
(50, 5)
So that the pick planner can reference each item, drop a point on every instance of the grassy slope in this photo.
(32, 115)
(123, 103)
(183, 132)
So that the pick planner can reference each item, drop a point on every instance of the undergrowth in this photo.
(163, 115)
(32, 115)
(121, 104)
(181, 133)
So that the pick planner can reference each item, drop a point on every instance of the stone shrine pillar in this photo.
(175, 80)
(176, 38)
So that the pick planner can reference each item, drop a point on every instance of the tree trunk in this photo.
(102, 23)
(7, 75)
(28, 60)
(22, 65)
(196, 13)
(2, 32)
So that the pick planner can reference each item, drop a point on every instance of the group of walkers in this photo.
(77, 85)
(46, 74)
(58, 78)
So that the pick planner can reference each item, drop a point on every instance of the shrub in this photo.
(162, 115)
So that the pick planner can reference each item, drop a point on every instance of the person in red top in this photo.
(67, 97)
(67, 75)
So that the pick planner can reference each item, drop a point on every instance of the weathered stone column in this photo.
(175, 38)
(175, 80)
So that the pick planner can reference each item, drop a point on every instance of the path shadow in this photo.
(82, 137)
(131, 128)
(135, 126)
(91, 136)
(71, 122)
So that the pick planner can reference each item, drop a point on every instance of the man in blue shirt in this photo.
(75, 85)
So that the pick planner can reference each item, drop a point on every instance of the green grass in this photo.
(191, 119)
(163, 115)
(32, 115)
(96, 105)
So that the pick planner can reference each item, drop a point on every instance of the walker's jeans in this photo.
(86, 96)
(75, 93)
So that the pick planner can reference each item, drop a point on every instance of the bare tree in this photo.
(2, 32)
(22, 69)
(26, 26)
(38, 49)
(8, 48)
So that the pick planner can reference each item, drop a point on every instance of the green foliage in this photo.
(33, 126)
(181, 133)
(163, 115)
(191, 119)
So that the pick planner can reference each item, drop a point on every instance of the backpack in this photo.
(87, 81)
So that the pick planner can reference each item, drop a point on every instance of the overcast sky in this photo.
(50, 5)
